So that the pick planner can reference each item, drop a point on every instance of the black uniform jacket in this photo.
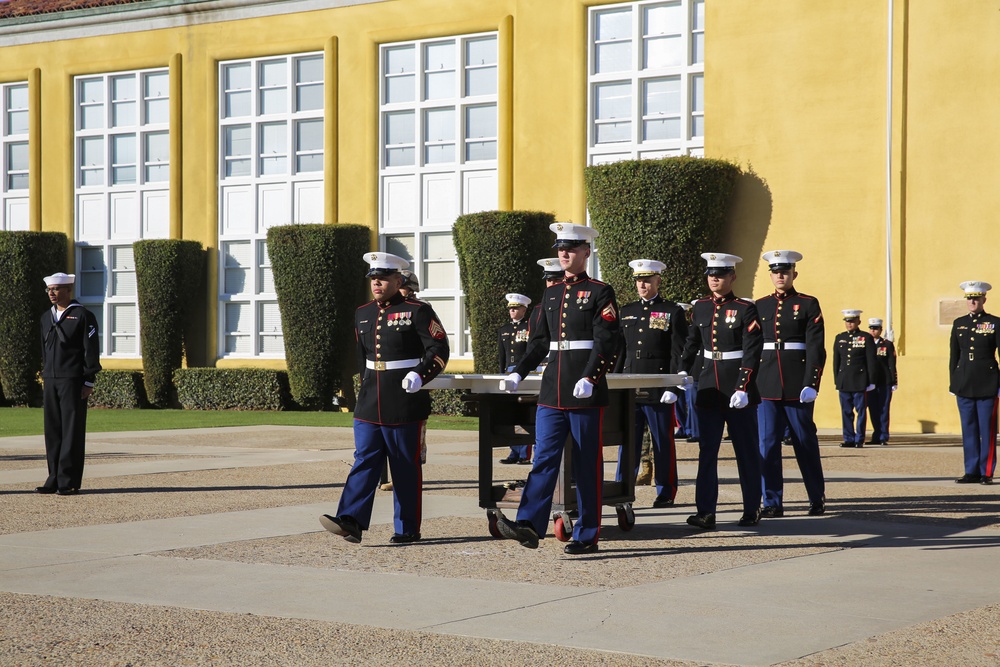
(399, 329)
(71, 347)
(579, 310)
(654, 334)
(791, 317)
(885, 363)
(719, 326)
(853, 360)
(512, 341)
(973, 362)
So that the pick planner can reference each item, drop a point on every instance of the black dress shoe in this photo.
(404, 538)
(524, 462)
(749, 518)
(509, 460)
(67, 492)
(45, 489)
(969, 479)
(703, 521)
(884, 443)
(344, 526)
(818, 507)
(663, 502)
(986, 480)
(576, 548)
(847, 444)
(522, 531)
(772, 511)
(691, 439)
(859, 445)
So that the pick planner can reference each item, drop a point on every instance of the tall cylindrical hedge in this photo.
(169, 275)
(319, 279)
(497, 253)
(671, 210)
(25, 259)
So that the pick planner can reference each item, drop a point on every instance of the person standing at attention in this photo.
(853, 373)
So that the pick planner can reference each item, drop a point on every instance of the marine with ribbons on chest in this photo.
(853, 374)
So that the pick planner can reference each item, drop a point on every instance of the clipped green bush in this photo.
(25, 259)
(122, 390)
(671, 210)
(498, 253)
(169, 277)
(319, 275)
(232, 389)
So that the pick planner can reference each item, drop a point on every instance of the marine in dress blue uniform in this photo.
(654, 330)
(791, 366)
(578, 332)
(886, 383)
(853, 374)
(725, 343)
(512, 341)
(975, 382)
(401, 347)
(71, 359)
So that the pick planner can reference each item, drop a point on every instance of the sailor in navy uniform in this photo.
(975, 382)
(579, 333)
(790, 369)
(512, 341)
(654, 331)
(724, 345)
(71, 358)
(401, 347)
(886, 383)
(853, 374)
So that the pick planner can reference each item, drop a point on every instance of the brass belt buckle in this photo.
(716, 356)
(380, 365)
(564, 345)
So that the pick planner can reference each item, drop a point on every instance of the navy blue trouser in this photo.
(878, 409)
(979, 434)
(65, 417)
(854, 414)
(743, 430)
(660, 419)
(773, 418)
(692, 414)
(373, 444)
(552, 426)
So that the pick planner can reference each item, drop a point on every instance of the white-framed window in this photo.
(270, 173)
(122, 148)
(438, 159)
(14, 214)
(646, 80)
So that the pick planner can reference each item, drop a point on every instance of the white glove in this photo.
(509, 383)
(896, 386)
(584, 388)
(686, 379)
(668, 397)
(412, 383)
(869, 388)
(953, 393)
(807, 395)
(739, 400)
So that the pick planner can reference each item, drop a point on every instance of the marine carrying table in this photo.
(500, 413)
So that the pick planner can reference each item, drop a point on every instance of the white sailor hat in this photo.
(570, 235)
(874, 323)
(410, 280)
(852, 314)
(973, 288)
(685, 306)
(643, 268)
(384, 264)
(60, 279)
(719, 263)
(779, 260)
(551, 268)
(515, 300)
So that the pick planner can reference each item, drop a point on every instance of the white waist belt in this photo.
(391, 365)
(572, 345)
(784, 346)
(721, 356)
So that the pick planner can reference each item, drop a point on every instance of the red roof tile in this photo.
(16, 8)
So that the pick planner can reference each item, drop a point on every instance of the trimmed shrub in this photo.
(169, 277)
(122, 390)
(319, 275)
(25, 259)
(671, 210)
(232, 389)
(497, 253)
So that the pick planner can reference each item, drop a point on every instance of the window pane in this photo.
(92, 152)
(481, 81)
(309, 70)
(439, 246)
(665, 128)
(237, 141)
(664, 52)
(697, 48)
(270, 318)
(438, 56)
(400, 157)
(615, 24)
(273, 138)
(237, 77)
(309, 98)
(698, 19)
(481, 51)
(399, 128)
(399, 60)
(439, 124)
(92, 91)
(614, 100)
(123, 88)
(273, 100)
(123, 284)
(17, 97)
(698, 126)
(157, 173)
(273, 73)
(238, 253)
(445, 309)
(698, 93)
(609, 133)
(400, 89)
(123, 259)
(402, 245)
(92, 177)
(157, 111)
(157, 85)
(157, 147)
(662, 96)
(481, 121)
(17, 156)
(92, 272)
(123, 318)
(123, 345)
(439, 85)
(309, 135)
(17, 181)
(439, 275)
(123, 114)
(92, 117)
(439, 154)
(17, 122)
(123, 149)
(237, 104)
(615, 57)
(480, 150)
(664, 19)
(238, 168)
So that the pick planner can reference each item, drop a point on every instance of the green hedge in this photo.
(232, 389)
(169, 278)
(319, 275)
(122, 390)
(25, 259)
(671, 210)
(447, 402)
(497, 253)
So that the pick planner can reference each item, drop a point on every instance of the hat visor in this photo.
(565, 244)
(975, 295)
(719, 271)
(644, 274)
(381, 273)
(781, 267)
(553, 275)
